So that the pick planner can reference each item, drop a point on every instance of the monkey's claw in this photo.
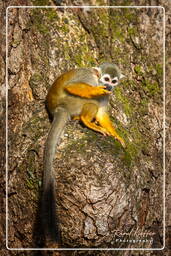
(102, 90)
(122, 142)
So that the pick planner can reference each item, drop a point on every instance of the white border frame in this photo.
(164, 210)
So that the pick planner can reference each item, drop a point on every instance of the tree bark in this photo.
(107, 197)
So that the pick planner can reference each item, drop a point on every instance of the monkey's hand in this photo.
(86, 90)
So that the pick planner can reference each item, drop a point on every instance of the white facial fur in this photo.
(106, 79)
(110, 82)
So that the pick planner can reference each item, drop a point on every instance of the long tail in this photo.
(48, 210)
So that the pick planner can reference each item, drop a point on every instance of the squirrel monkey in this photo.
(79, 94)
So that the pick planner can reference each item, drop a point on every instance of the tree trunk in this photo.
(107, 196)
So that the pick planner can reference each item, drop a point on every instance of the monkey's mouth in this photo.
(108, 87)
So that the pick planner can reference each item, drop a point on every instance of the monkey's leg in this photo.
(104, 120)
(86, 90)
(88, 113)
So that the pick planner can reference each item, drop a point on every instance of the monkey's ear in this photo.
(97, 71)
(121, 76)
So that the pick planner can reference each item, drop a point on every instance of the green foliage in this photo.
(159, 69)
(38, 21)
(138, 70)
(151, 88)
(124, 100)
(40, 2)
(32, 181)
(51, 15)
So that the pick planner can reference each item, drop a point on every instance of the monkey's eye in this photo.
(114, 81)
(107, 79)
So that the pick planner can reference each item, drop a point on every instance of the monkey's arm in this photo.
(86, 90)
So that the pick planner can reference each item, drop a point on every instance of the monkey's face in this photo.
(109, 82)
(110, 75)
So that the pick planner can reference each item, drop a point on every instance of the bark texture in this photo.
(107, 197)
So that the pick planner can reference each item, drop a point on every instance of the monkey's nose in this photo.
(108, 87)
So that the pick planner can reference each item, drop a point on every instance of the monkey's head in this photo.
(110, 75)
